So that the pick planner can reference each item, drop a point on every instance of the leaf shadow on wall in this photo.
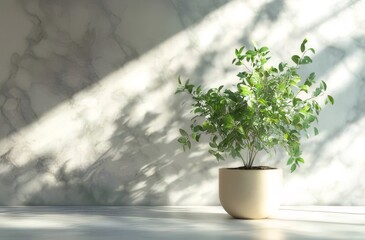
(67, 52)
(141, 166)
(58, 63)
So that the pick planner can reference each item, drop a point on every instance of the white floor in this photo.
(71, 223)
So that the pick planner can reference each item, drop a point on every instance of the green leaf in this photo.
(304, 88)
(316, 132)
(282, 66)
(331, 99)
(302, 46)
(308, 83)
(295, 59)
(311, 118)
(195, 136)
(251, 52)
(263, 49)
(293, 167)
(179, 80)
(228, 121)
(301, 160)
(242, 75)
(290, 161)
(324, 85)
(296, 101)
(312, 76)
(241, 49)
(183, 132)
(198, 110)
(197, 128)
(240, 130)
(312, 50)
(317, 92)
(208, 127)
(262, 101)
(245, 90)
(296, 150)
(306, 60)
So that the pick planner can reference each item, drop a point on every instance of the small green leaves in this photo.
(294, 162)
(228, 121)
(251, 53)
(263, 49)
(245, 90)
(268, 107)
(312, 50)
(195, 136)
(312, 76)
(241, 130)
(198, 110)
(239, 51)
(208, 127)
(304, 88)
(293, 168)
(282, 66)
(295, 59)
(306, 60)
(317, 92)
(242, 75)
(296, 101)
(323, 85)
(290, 161)
(316, 132)
(302, 46)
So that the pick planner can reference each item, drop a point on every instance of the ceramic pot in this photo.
(250, 193)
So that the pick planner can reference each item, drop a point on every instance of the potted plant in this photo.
(269, 107)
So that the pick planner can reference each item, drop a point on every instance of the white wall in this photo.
(88, 111)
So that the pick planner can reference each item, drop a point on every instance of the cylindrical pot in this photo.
(250, 193)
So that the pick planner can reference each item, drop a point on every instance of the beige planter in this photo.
(250, 193)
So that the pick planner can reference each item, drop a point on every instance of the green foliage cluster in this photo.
(268, 107)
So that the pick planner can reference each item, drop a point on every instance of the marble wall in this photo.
(88, 111)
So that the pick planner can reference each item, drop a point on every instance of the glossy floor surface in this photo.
(186, 223)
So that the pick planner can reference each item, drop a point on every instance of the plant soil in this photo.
(254, 168)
